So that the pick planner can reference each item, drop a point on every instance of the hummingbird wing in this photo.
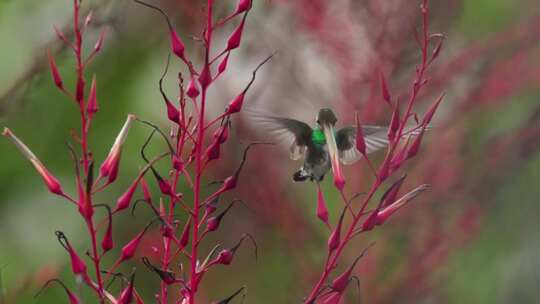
(295, 131)
(374, 136)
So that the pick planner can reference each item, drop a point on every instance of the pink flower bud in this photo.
(360, 140)
(394, 122)
(125, 200)
(415, 146)
(384, 89)
(242, 6)
(322, 210)
(213, 151)
(177, 163)
(146, 191)
(172, 112)
(229, 183)
(335, 237)
(224, 257)
(223, 64)
(109, 168)
(236, 104)
(99, 42)
(176, 44)
(60, 34)
(333, 298)
(107, 241)
(128, 251)
(192, 90)
(206, 77)
(184, 239)
(212, 224)
(384, 214)
(77, 264)
(50, 181)
(431, 111)
(54, 71)
(234, 40)
(92, 106)
(126, 296)
(73, 299)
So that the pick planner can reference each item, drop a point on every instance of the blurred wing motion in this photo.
(297, 133)
(375, 138)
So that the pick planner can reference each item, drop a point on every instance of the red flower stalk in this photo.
(78, 267)
(54, 71)
(109, 168)
(50, 181)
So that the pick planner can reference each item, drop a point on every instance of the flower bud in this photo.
(394, 122)
(223, 64)
(322, 210)
(109, 168)
(360, 140)
(192, 90)
(177, 45)
(126, 296)
(128, 251)
(125, 200)
(92, 106)
(50, 181)
(385, 213)
(99, 42)
(205, 78)
(77, 264)
(73, 299)
(234, 40)
(54, 71)
(242, 6)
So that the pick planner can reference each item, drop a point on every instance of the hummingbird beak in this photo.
(334, 155)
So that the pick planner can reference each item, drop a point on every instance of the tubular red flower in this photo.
(322, 210)
(125, 200)
(360, 141)
(92, 105)
(78, 267)
(50, 181)
(385, 213)
(54, 71)
(126, 296)
(431, 111)
(99, 42)
(109, 168)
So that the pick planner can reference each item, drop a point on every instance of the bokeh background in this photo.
(472, 239)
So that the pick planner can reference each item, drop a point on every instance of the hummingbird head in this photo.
(326, 118)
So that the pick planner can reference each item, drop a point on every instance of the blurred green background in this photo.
(473, 239)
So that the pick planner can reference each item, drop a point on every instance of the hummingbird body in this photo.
(322, 146)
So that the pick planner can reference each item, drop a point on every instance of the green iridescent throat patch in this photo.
(317, 137)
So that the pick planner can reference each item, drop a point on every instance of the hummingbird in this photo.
(322, 144)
